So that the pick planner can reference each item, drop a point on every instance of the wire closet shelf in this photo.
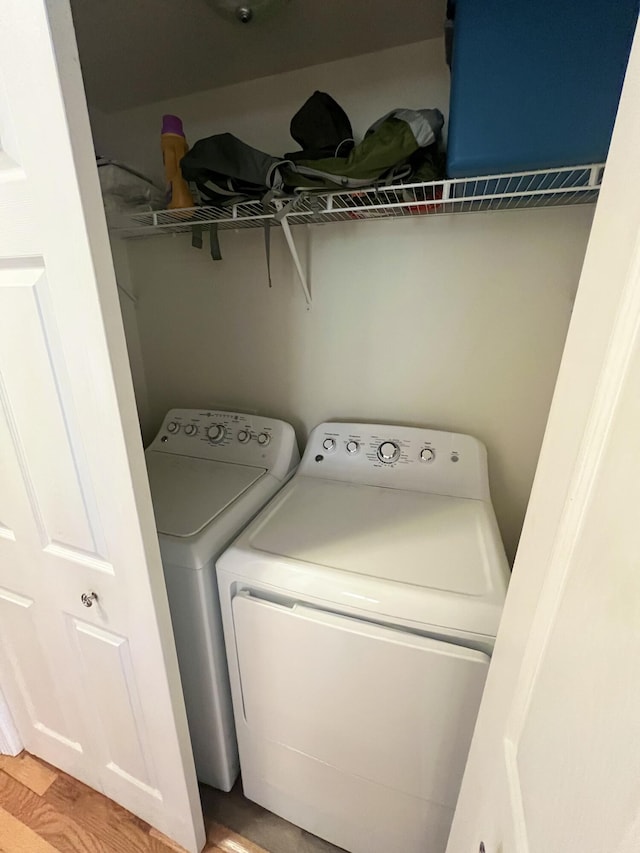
(547, 188)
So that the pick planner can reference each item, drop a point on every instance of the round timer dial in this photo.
(388, 452)
(216, 433)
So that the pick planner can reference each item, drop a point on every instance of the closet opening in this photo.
(420, 315)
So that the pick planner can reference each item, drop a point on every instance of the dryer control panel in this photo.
(229, 437)
(398, 457)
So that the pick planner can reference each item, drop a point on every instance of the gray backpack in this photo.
(227, 170)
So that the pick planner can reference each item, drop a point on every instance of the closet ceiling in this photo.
(134, 53)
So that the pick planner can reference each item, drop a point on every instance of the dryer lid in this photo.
(188, 493)
(443, 543)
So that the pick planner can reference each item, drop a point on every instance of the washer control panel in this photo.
(229, 437)
(399, 457)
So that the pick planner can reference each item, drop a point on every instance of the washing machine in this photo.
(360, 610)
(210, 472)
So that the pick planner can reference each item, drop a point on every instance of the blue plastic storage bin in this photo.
(535, 83)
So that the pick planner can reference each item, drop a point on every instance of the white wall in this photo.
(259, 112)
(454, 322)
(128, 307)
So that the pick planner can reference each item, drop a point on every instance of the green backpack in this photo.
(398, 146)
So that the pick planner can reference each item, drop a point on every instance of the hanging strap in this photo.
(196, 236)
(266, 201)
(278, 216)
(288, 208)
(267, 248)
(214, 242)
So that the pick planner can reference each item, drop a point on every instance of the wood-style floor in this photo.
(42, 810)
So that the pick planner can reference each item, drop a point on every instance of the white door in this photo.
(554, 765)
(94, 690)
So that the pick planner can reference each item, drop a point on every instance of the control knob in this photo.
(264, 438)
(191, 429)
(427, 454)
(329, 444)
(352, 447)
(216, 433)
(173, 427)
(388, 452)
(244, 436)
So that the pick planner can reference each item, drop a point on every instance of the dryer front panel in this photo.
(377, 703)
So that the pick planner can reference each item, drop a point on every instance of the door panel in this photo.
(29, 348)
(555, 760)
(381, 704)
(105, 660)
(16, 509)
(20, 642)
(96, 690)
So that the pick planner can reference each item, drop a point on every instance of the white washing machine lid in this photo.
(188, 493)
(409, 537)
(424, 559)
